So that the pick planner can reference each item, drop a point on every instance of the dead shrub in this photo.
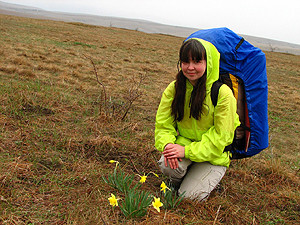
(118, 109)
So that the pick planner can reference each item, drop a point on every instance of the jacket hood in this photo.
(212, 62)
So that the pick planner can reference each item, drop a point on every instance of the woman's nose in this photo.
(191, 66)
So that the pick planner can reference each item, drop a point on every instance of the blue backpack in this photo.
(243, 69)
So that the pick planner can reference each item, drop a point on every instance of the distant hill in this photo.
(139, 25)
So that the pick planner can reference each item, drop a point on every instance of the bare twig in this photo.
(134, 94)
(165, 215)
(103, 221)
(253, 221)
(134, 166)
(217, 215)
(99, 82)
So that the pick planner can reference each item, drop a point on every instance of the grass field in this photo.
(58, 133)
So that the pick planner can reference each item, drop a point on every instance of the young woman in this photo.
(190, 132)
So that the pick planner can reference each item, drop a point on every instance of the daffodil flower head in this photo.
(163, 187)
(157, 204)
(114, 161)
(143, 178)
(113, 201)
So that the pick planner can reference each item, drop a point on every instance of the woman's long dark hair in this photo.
(190, 50)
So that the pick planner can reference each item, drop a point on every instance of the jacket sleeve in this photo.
(165, 126)
(221, 134)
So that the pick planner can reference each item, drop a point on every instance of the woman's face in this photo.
(193, 70)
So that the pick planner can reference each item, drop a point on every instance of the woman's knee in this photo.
(176, 173)
(200, 180)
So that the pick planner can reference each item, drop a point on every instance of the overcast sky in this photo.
(278, 20)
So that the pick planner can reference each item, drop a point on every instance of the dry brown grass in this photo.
(55, 144)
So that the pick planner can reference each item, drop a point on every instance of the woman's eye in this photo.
(202, 61)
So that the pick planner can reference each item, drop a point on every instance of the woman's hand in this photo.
(173, 153)
(173, 163)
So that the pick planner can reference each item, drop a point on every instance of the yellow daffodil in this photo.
(113, 201)
(157, 204)
(164, 187)
(143, 178)
(114, 161)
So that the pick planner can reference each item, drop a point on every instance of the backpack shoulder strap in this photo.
(214, 92)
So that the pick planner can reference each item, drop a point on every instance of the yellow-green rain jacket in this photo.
(204, 139)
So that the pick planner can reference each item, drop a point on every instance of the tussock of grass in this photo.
(56, 138)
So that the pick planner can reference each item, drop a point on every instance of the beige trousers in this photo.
(195, 180)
